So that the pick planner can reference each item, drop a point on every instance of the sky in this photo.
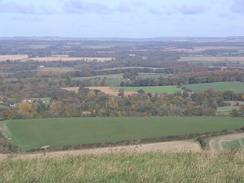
(122, 18)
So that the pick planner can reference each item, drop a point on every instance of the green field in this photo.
(226, 110)
(154, 89)
(60, 69)
(228, 142)
(211, 59)
(116, 79)
(3, 107)
(46, 101)
(236, 87)
(36, 133)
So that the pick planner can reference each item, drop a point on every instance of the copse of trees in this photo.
(95, 103)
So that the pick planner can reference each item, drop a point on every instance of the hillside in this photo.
(127, 167)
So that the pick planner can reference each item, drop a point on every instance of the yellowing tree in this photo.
(8, 114)
(24, 108)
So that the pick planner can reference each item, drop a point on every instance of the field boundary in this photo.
(166, 147)
(216, 143)
(5, 131)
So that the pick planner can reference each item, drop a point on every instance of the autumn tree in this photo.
(24, 108)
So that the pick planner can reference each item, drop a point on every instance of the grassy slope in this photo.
(155, 89)
(237, 87)
(72, 131)
(140, 168)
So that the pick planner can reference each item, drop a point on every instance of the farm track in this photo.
(241, 144)
(217, 144)
(177, 146)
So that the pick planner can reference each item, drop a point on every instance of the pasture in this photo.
(35, 133)
(154, 89)
(226, 110)
(228, 142)
(3, 106)
(45, 101)
(211, 59)
(60, 69)
(64, 58)
(236, 87)
(116, 79)
(203, 48)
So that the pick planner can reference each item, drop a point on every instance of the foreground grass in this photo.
(148, 167)
(56, 132)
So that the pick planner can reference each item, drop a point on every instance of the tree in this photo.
(24, 107)
(121, 92)
(8, 114)
(241, 110)
(234, 113)
(141, 91)
(83, 91)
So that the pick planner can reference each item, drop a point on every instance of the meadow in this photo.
(61, 58)
(116, 79)
(211, 59)
(226, 110)
(154, 89)
(60, 69)
(123, 167)
(236, 87)
(3, 107)
(35, 133)
(227, 142)
(46, 101)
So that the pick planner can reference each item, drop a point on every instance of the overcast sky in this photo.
(122, 18)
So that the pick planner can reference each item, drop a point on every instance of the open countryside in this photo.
(236, 87)
(64, 58)
(227, 142)
(32, 134)
(211, 59)
(154, 89)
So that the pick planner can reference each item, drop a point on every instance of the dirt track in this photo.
(221, 139)
(177, 146)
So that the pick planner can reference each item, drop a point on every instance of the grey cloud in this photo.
(79, 6)
(238, 6)
(192, 9)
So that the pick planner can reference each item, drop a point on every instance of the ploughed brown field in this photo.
(13, 57)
